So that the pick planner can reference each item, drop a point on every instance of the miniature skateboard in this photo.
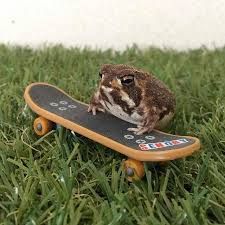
(55, 106)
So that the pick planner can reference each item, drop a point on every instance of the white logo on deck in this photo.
(140, 141)
(129, 137)
(150, 137)
(72, 106)
(54, 104)
(63, 102)
(62, 108)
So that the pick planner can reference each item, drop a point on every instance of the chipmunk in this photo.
(134, 96)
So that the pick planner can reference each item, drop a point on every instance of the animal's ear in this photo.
(127, 80)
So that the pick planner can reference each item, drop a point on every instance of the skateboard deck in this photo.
(55, 105)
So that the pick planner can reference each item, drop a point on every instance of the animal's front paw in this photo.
(94, 108)
(139, 130)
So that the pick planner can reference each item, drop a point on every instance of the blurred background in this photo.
(176, 24)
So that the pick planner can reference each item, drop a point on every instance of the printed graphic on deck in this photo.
(164, 144)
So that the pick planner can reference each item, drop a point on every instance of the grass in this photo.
(58, 179)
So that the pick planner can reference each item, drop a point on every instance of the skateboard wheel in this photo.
(42, 126)
(134, 169)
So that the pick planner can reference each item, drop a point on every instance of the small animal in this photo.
(135, 96)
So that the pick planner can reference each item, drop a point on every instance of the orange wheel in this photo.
(134, 169)
(42, 126)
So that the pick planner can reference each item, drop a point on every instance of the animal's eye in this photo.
(127, 80)
(100, 74)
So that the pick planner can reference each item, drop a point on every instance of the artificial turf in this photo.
(59, 179)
